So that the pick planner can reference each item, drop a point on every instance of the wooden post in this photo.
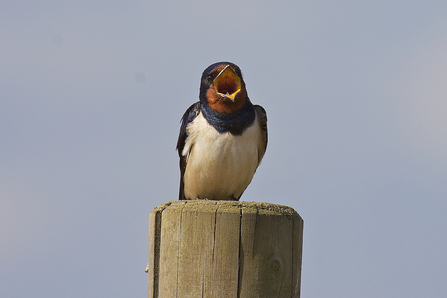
(224, 249)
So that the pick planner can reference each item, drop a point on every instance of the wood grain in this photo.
(224, 249)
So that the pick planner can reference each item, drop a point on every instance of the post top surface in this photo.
(211, 205)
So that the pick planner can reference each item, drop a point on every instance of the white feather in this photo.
(219, 165)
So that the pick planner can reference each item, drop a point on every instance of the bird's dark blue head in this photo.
(222, 88)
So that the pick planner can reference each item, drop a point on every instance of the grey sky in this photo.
(91, 94)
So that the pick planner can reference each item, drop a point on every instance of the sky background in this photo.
(92, 92)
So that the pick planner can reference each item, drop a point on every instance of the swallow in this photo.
(222, 139)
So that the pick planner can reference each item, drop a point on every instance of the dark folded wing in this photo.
(262, 115)
(190, 114)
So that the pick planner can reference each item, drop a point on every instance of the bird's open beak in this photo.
(227, 83)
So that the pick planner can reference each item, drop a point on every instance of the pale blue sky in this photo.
(91, 94)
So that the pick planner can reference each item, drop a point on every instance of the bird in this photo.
(222, 139)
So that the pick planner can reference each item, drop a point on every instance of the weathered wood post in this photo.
(224, 249)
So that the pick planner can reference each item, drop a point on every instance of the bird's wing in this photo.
(190, 114)
(262, 115)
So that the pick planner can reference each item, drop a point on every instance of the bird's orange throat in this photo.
(222, 104)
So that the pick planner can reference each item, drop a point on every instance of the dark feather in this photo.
(263, 124)
(234, 123)
(190, 114)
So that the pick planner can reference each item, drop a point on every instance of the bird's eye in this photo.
(209, 79)
(238, 72)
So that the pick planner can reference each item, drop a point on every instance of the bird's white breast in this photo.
(219, 165)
